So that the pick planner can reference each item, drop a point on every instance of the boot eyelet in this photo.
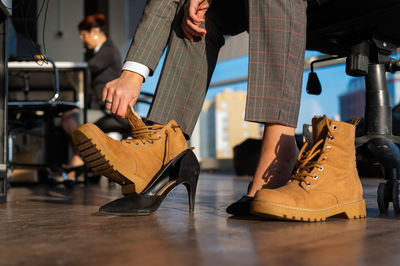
(334, 127)
(315, 177)
(159, 136)
(152, 142)
(144, 143)
(324, 158)
(331, 138)
(328, 147)
(309, 185)
(136, 144)
(321, 168)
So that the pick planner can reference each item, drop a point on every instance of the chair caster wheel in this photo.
(69, 184)
(383, 201)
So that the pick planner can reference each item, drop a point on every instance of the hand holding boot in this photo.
(121, 92)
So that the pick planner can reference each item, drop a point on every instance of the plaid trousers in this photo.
(277, 30)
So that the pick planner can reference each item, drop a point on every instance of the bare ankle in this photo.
(275, 165)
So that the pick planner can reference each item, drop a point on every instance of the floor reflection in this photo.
(57, 226)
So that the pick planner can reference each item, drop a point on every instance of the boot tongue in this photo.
(134, 119)
(319, 128)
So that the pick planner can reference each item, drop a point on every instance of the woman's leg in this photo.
(277, 44)
(277, 41)
(69, 124)
(278, 157)
(189, 66)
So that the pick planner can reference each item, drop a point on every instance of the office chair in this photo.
(366, 33)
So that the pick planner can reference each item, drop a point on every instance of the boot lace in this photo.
(143, 134)
(148, 134)
(313, 158)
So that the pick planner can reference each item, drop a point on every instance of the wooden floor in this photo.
(42, 226)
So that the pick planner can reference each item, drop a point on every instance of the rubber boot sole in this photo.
(92, 152)
(351, 210)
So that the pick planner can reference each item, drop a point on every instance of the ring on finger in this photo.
(109, 101)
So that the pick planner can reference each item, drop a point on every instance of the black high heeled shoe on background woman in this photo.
(183, 169)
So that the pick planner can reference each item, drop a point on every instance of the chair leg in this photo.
(378, 112)
(379, 142)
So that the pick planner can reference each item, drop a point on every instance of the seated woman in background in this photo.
(104, 63)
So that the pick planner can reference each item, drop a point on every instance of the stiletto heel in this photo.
(191, 189)
(183, 169)
(189, 170)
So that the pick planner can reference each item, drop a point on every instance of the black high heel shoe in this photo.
(183, 169)
(241, 207)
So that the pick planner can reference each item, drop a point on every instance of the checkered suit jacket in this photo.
(277, 31)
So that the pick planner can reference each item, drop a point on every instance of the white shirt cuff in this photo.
(137, 67)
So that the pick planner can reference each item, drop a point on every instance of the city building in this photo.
(221, 126)
(352, 103)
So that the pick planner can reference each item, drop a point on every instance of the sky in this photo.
(333, 79)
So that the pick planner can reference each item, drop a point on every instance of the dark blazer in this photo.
(104, 66)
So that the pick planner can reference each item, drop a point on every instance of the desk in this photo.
(73, 81)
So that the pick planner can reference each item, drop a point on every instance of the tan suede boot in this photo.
(132, 162)
(325, 183)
